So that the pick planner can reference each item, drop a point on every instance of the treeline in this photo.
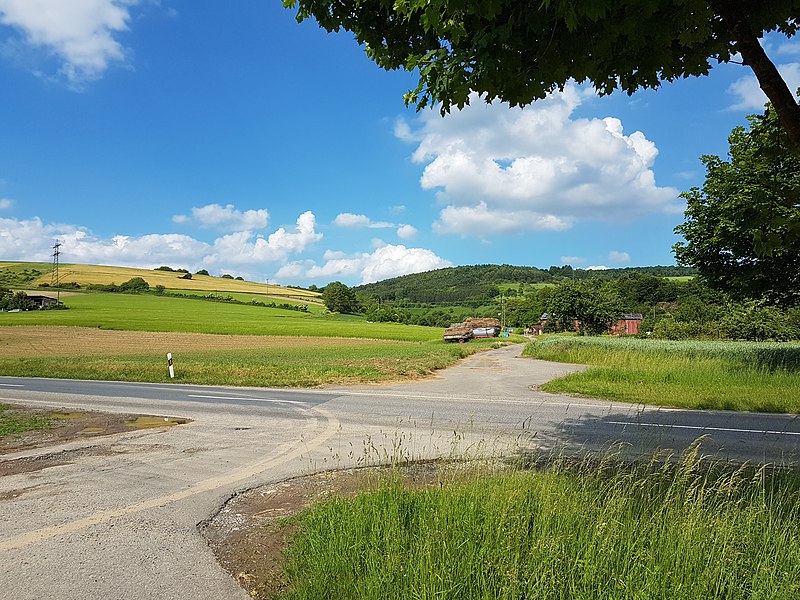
(478, 285)
(670, 308)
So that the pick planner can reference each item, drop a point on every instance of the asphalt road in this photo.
(117, 517)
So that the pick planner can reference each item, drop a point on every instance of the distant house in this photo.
(627, 325)
(40, 302)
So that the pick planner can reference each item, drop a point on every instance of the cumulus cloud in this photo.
(32, 239)
(245, 248)
(406, 232)
(748, 94)
(619, 257)
(385, 262)
(351, 220)
(225, 217)
(501, 170)
(80, 33)
(596, 268)
(6, 203)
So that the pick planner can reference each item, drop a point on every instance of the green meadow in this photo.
(147, 312)
(747, 376)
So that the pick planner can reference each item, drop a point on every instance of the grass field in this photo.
(83, 353)
(147, 312)
(707, 375)
(566, 531)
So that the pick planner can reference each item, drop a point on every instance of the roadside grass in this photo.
(16, 420)
(318, 362)
(586, 530)
(146, 312)
(744, 376)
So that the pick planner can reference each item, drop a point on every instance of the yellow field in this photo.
(104, 275)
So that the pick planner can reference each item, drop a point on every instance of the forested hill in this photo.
(479, 283)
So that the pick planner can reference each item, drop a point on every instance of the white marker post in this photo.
(171, 368)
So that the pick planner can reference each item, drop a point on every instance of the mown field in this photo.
(14, 274)
(751, 376)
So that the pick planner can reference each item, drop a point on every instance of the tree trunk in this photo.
(769, 79)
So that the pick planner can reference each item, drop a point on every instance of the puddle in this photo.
(145, 422)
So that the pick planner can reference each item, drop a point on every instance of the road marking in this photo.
(12, 385)
(708, 428)
(283, 454)
(296, 402)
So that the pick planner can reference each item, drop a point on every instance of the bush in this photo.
(202, 272)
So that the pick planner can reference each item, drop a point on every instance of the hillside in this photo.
(32, 275)
(478, 284)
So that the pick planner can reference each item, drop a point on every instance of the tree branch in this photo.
(769, 79)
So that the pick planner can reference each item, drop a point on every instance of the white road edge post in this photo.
(171, 368)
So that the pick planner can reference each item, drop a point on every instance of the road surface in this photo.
(116, 517)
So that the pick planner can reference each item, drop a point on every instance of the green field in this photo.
(753, 376)
(147, 312)
(591, 530)
(322, 363)
(248, 345)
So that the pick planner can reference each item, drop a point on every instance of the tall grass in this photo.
(710, 375)
(587, 530)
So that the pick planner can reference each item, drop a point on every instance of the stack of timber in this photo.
(484, 327)
(458, 332)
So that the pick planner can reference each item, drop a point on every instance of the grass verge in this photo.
(748, 376)
(16, 420)
(569, 530)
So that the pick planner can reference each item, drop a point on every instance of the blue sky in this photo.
(229, 137)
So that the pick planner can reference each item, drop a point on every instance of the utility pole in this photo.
(54, 278)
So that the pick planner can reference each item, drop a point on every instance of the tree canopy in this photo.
(340, 298)
(742, 228)
(520, 50)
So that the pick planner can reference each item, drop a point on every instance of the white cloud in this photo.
(351, 220)
(385, 262)
(748, 94)
(502, 170)
(79, 32)
(406, 232)
(245, 248)
(572, 260)
(619, 257)
(6, 203)
(32, 239)
(225, 217)
(596, 268)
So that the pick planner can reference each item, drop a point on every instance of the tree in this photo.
(339, 298)
(520, 50)
(594, 303)
(742, 229)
